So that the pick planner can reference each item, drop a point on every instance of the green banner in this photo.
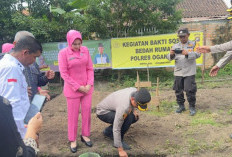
(99, 50)
(49, 56)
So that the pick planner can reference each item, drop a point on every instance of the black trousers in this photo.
(188, 85)
(109, 118)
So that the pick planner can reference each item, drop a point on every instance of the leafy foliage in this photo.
(7, 9)
(222, 34)
(49, 20)
(118, 18)
(45, 30)
(80, 4)
(40, 8)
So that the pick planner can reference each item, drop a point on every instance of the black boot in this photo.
(125, 146)
(180, 109)
(231, 136)
(192, 111)
(108, 133)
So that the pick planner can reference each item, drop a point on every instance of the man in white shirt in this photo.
(13, 84)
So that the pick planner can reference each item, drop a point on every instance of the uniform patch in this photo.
(5, 101)
(12, 80)
(125, 115)
(71, 58)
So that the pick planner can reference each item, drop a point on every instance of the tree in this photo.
(50, 20)
(46, 25)
(8, 7)
(45, 30)
(118, 18)
(40, 8)
(79, 4)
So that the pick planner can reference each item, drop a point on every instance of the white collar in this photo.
(15, 60)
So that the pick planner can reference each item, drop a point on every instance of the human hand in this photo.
(81, 89)
(185, 52)
(136, 115)
(84, 89)
(203, 49)
(34, 126)
(87, 88)
(29, 91)
(50, 74)
(213, 72)
(43, 67)
(45, 93)
(122, 153)
(172, 52)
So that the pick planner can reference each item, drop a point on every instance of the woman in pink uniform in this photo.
(76, 68)
(7, 47)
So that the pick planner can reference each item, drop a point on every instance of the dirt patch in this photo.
(155, 134)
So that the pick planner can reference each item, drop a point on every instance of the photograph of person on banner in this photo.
(101, 57)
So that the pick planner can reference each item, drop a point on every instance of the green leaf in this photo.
(57, 10)
(78, 4)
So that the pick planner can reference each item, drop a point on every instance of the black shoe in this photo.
(192, 111)
(180, 109)
(105, 133)
(231, 136)
(89, 143)
(125, 146)
(73, 150)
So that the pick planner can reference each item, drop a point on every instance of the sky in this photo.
(227, 3)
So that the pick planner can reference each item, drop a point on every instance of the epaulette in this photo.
(5, 101)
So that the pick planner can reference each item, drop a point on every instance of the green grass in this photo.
(129, 77)
(64, 149)
(157, 151)
(166, 107)
(55, 88)
(230, 112)
(203, 118)
(172, 148)
(218, 145)
(195, 146)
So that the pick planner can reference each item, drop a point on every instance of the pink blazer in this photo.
(76, 68)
